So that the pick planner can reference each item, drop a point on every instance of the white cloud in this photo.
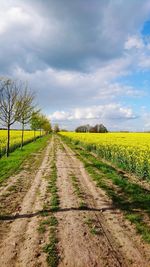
(134, 42)
(102, 112)
(59, 115)
(144, 61)
(69, 88)
(139, 52)
(19, 19)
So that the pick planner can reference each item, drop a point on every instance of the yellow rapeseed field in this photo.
(15, 138)
(130, 151)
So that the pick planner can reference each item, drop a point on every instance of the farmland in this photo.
(68, 206)
(15, 139)
(130, 151)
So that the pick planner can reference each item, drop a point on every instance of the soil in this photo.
(93, 235)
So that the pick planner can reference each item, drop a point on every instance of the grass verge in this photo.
(130, 197)
(13, 163)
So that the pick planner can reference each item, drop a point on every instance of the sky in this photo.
(88, 61)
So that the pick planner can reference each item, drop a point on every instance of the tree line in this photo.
(17, 105)
(98, 128)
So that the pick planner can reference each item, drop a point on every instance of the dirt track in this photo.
(95, 234)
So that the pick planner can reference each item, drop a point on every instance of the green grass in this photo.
(52, 188)
(12, 188)
(78, 191)
(130, 197)
(141, 227)
(94, 229)
(51, 221)
(51, 249)
(76, 186)
(133, 194)
(42, 228)
(13, 163)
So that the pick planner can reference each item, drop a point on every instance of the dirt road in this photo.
(90, 231)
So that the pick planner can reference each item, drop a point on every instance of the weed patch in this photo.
(78, 191)
(94, 228)
(51, 249)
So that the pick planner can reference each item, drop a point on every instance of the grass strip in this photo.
(51, 221)
(51, 247)
(52, 187)
(13, 163)
(78, 191)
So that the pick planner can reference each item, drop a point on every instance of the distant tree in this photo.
(40, 122)
(34, 121)
(102, 129)
(99, 128)
(46, 125)
(63, 130)
(10, 111)
(83, 128)
(56, 128)
(26, 104)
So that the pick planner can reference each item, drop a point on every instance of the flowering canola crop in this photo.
(15, 139)
(130, 151)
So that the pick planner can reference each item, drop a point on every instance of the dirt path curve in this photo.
(21, 244)
(115, 246)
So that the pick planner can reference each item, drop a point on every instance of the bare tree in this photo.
(26, 105)
(2, 85)
(56, 128)
(9, 109)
